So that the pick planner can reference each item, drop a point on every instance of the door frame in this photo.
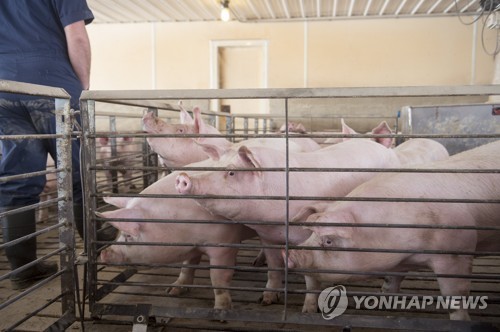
(215, 45)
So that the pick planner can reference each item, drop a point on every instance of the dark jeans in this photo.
(30, 117)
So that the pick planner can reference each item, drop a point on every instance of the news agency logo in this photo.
(332, 302)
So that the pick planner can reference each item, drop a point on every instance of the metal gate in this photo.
(138, 290)
(54, 310)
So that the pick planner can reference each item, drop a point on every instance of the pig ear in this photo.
(300, 128)
(346, 130)
(335, 231)
(184, 115)
(120, 202)
(214, 151)
(247, 157)
(283, 128)
(306, 211)
(199, 125)
(132, 228)
(383, 129)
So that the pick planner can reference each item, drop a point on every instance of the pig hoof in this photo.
(269, 298)
(177, 291)
(310, 309)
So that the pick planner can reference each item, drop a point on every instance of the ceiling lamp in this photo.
(225, 14)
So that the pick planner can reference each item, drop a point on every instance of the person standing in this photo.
(41, 42)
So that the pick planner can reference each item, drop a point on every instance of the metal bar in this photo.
(280, 135)
(35, 312)
(384, 6)
(434, 6)
(417, 7)
(32, 89)
(293, 93)
(351, 7)
(17, 137)
(261, 289)
(29, 236)
(400, 7)
(287, 213)
(367, 7)
(65, 206)
(112, 144)
(296, 224)
(270, 9)
(26, 175)
(120, 278)
(346, 320)
(141, 317)
(321, 198)
(308, 169)
(284, 4)
(245, 125)
(150, 159)
(89, 184)
(421, 275)
(30, 290)
(288, 246)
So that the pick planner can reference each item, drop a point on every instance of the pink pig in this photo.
(254, 182)
(197, 234)
(382, 129)
(476, 186)
(180, 151)
(418, 151)
(293, 127)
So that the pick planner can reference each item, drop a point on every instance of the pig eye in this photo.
(180, 131)
(231, 173)
(327, 242)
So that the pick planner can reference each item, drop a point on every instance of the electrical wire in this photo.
(490, 11)
(497, 43)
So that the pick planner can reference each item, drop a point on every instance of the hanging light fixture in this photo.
(225, 14)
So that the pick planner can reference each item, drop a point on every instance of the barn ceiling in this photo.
(126, 11)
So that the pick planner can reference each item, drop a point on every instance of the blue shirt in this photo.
(38, 25)
(33, 43)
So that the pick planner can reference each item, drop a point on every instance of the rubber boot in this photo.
(16, 226)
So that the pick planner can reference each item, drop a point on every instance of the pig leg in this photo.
(260, 260)
(274, 278)
(186, 277)
(392, 284)
(453, 286)
(311, 300)
(221, 278)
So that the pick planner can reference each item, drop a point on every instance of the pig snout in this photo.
(183, 183)
(106, 256)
